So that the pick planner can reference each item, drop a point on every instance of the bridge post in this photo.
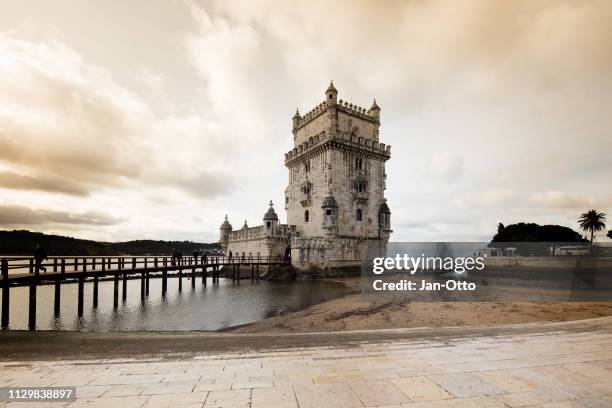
(193, 270)
(192, 278)
(164, 280)
(76, 264)
(204, 273)
(257, 272)
(180, 280)
(32, 305)
(146, 278)
(54, 264)
(142, 285)
(124, 283)
(95, 285)
(5, 295)
(63, 268)
(116, 287)
(252, 271)
(57, 298)
(81, 289)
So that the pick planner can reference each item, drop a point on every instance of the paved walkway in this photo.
(560, 365)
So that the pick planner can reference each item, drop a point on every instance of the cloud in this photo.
(187, 109)
(74, 129)
(446, 167)
(23, 216)
(560, 200)
(17, 181)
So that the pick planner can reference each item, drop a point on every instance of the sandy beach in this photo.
(359, 311)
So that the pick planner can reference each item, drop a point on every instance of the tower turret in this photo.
(331, 94)
(374, 110)
(296, 121)
(270, 219)
(384, 217)
(330, 214)
(224, 232)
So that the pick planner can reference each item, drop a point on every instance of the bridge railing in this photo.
(63, 264)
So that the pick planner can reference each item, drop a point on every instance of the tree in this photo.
(592, 221)
(610, 234)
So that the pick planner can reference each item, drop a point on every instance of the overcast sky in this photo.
(153, 119)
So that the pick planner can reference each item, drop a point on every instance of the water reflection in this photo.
(210, 307)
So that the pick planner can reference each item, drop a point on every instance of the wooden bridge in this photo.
(59, 270)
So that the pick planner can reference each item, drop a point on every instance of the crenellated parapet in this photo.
(342, 140)
(259, 232)
(343, 106)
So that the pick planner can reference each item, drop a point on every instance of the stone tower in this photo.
(335, 197)
(224, 233)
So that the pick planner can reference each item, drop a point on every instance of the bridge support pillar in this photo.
(142, 286)
(95, 291)
(147, 284)
(116, 290)
(164, 282)
(57, 298)
(193, 278)
(5, 295)
(32, 307)
(80, 295)
(180, 280)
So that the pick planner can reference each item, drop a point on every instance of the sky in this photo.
(153, 119)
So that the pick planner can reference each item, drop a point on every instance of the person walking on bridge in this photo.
(39, 256)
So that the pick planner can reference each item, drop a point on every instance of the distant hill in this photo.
(24, 242)
(530, 232)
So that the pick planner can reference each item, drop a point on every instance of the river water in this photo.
(203, 308)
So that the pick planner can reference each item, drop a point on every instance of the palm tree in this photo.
(592, 221)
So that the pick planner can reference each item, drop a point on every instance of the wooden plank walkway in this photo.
(18, 271)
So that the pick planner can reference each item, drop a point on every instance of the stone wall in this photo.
(336, 252)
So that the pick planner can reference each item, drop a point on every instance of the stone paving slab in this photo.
(550, 365)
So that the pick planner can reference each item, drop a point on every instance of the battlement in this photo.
(346, 139)
(258, 232)
(343, 106)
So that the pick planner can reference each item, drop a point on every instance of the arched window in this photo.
(358, 214)
(306, 216)
(358, 163)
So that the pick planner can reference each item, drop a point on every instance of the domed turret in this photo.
(329, 202)
(374, 110)
(224, 231)
(270, 220)
(270, 215)
(226, 226)
(331, 94)
(384, 215)
(245, 226)
(296, 119)
(330, 214)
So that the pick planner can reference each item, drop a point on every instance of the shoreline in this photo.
(359, 311)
